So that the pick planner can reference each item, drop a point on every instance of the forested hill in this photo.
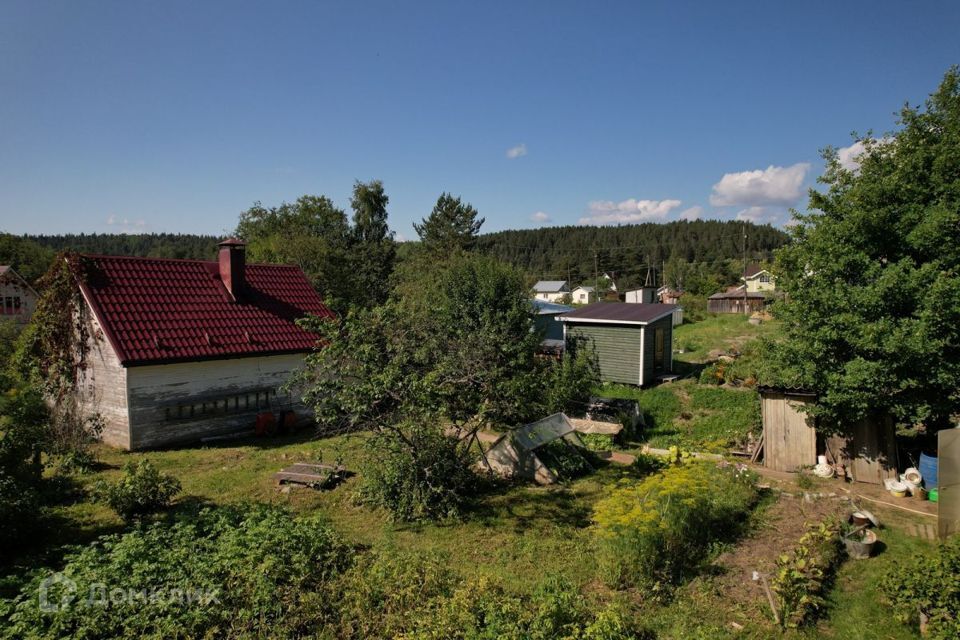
(567, 253)
(31, 255)
(154, 245)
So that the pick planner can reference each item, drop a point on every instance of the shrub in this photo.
(482, 608)
(927, 585)
(142, 490)
(566, 460)
(227, 572)
(656, 532)
(19, 507)
(570, 381)
(598, 441)
(645, 464)
(803, 577)
(385, 592)
(417, 474)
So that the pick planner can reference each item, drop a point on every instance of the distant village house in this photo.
(759, 280)
(18, 299)
(182, 350)
(551, 290)
(583, 295)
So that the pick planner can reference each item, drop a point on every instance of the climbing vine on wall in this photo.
(52, 350)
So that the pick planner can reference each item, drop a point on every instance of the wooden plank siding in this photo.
(102, 386)
(185, 402)
(617, 347)
(869, 450)
(789, 440)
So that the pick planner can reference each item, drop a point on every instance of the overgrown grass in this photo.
(693, 416)
(718, 332)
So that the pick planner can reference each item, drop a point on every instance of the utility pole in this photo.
(596, 278)
(745, 311)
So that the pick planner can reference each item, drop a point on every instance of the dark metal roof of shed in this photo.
(619, 313)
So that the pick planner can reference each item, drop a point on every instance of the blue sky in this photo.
(175, 116)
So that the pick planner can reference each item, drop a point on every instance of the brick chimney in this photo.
(233, 260)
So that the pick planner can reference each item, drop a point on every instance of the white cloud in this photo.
(761, 215)
(770, 186)
(125, 225)
(629, 211)
(517, 151)
(540, 216)
(693, 213)
(847, 156)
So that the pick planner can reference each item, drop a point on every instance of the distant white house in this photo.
(643, 295)
(759, 280)
(583, 295)
(551, 290)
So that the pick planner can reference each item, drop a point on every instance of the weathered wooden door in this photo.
(789, 442)
(658, 354)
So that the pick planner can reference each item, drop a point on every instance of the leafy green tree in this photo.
(311, 233)
(28, 258)
(373, 248)
(873, 276)
(452, 224)
(426, 374)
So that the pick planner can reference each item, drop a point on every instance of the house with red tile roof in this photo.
(182, 350)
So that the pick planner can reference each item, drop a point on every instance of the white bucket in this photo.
(821, 461)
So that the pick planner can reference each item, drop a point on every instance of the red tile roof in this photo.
(752, 270)
(156, 311)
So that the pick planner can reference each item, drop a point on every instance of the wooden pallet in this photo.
(317, 476)
(925, 531)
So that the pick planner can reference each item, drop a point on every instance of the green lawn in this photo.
(517, 534)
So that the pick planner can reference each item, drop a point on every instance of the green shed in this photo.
(633, 342)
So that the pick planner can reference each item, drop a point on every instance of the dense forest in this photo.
(698, 256)
(31, 255)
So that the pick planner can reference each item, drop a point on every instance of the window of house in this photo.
(765, 278)
(255, 400)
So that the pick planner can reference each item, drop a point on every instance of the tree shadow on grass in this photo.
(529, 508)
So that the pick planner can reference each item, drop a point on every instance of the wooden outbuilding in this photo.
(633, 342)
(736, 301)
(790, 439)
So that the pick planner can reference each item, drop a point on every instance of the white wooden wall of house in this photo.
(185, 402)
(788, 441)
(102, 388)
